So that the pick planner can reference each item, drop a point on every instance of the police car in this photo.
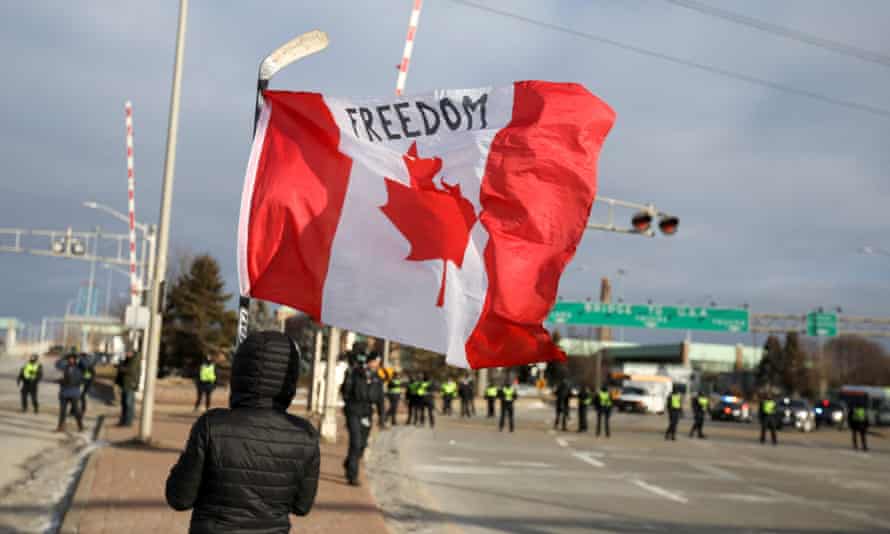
(731, 408)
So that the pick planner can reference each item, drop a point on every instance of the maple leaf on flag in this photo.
(437, 222)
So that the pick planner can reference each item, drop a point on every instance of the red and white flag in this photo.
(442, 221)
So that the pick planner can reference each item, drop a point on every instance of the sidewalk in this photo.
(122, 487)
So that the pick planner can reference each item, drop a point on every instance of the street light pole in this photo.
(160, 267)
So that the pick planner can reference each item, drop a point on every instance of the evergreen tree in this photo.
(196, 321)
(795, 375)
(772, 365)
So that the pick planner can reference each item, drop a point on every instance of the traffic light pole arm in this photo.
(648, 209)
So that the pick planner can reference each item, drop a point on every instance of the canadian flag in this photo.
(442, 221)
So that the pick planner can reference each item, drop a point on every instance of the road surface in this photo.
(465, 476)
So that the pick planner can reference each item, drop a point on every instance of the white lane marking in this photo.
(743, 497)
(721, 474)
(524, 464)
(855, 454)
(776, 494)
(562, 442)
(458, 459)
(657, 490)
(587, 457)
(863, 517)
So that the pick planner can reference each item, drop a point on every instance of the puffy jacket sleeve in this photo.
(309, 485)
(184, 480)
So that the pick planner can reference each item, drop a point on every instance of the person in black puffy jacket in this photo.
(244, 469)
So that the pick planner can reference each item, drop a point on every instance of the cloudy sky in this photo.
(776, 191)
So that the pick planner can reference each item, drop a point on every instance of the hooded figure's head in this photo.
(265, 371)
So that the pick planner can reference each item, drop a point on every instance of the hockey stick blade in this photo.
(305, 45)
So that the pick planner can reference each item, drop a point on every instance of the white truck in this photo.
(644, 394)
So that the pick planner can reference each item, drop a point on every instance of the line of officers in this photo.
(768, 415)
(600, 400)
(366, 391)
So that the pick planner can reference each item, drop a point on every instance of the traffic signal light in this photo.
(641, 221)
(668, 224)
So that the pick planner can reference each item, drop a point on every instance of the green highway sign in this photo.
(649, 316)
(821, 324)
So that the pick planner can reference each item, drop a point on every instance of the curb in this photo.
(77, 496)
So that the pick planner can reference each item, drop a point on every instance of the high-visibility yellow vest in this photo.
(509, 392)
(769, 407)
(395, 385)
(208, 372)
(676, 401)
(422, 388)
(605, 399)
(30, 370)
(491, 392)
(449, 388)
(859, 414)
(703, 402)
(588, 400)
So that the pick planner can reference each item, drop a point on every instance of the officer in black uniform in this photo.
(585, 399)
(674, 405)
(508, 395)
(563, 394)
(700, 405)
(87, 366)
(767, 415)
(394, 393)
(379, 394)
(858, 418)
(465, 392)
(360, 389)
(603, 405)
(426, 401)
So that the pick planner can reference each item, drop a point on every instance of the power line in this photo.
(788, 33)
(849, 104)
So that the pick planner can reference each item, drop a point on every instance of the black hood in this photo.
(265, 371)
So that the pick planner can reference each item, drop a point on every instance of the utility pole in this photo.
(329, 420)
(160, 268)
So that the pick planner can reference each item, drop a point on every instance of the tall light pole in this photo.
(619, 275)
(160, 267)
(149, 234)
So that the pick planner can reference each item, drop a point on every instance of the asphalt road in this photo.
(36, 464)
(465, 476)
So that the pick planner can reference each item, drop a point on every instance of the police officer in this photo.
(449, 392)
(563, 393)
(674, 404)
(858, 417)
(508, 395)
(379, 394)
(700, 405)
(585, 399)
(426, 405)
(206, 382)
(491, 394)
(767, 418)
(359, 392)
(603, 410)
(69, 390)
(465, 392)
(411, 396)
(394, 393)
(88, 369)
(29, 377)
